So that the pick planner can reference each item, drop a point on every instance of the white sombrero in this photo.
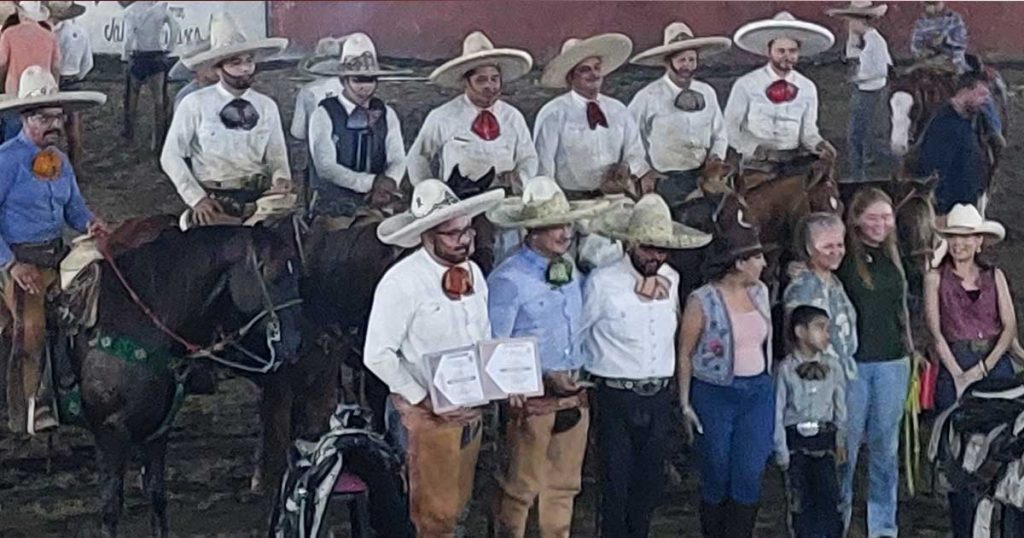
(543, 204)
(36, 11)
(179, 71)
(478, 51)
(433, 203)
(754, 37)
(860, 9)
(63, 10)
(613, 49)
(227, 40)
(38, 89)
(649, 223)
(964, 219)
(357, 58)
(326, 48)
(679, 37)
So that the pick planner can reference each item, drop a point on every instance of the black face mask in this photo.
(239, 115)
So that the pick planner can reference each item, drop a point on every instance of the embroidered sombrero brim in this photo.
(615, 224)
(66, 100)
(512, 63)
(69, 12)
(513, 213)
(755, 36)
(333, 67)
(262, 49)
(707, 46)
(404, 229)
(613, 49)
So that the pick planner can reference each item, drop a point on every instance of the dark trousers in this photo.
(633, 433)
(813, 483)
(676, 186)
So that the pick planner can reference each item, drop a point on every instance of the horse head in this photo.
(823, 189)
(617, 180)
(915, 96)
(913, 200)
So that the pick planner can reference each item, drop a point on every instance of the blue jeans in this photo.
(861, 135)
(739, 424)
(874, 404)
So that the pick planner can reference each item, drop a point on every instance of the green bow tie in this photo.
(559, 272)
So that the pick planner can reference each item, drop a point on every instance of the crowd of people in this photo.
(588, 278)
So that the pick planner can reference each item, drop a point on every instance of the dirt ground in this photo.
(214, 436)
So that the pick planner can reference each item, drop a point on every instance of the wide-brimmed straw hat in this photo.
(228, 40)
(326, 48)
(36, 11)
(649, 223)
(754, 37)
(38, 89)
(433, 203)
(861, 9)
(964, 219)
(479, 51)
(61, 10)
(613, 49)
(356, 58)
(679, 37)
(543, 204)
(178, 71)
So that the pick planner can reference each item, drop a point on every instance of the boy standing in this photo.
(810, 414)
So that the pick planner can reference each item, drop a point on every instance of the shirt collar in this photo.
(774, 76)
(436, 267)
(24, 140)
(230, 96)
(534, 258)
(672, 85)
(802, 358)
(493, 108)
(349, 105)
(582, 101)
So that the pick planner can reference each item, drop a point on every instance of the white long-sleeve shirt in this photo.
(411, 317)
(873, 60)
(625, 337)
(144, 24)
(308, 99)
(219, 154)
(751, 119)
(447, 135)
(677, 140)
(325, 154)
(75, 50)
(577, 156)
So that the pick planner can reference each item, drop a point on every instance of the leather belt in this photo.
(644, 387)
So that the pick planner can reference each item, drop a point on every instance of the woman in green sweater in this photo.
(873, 276)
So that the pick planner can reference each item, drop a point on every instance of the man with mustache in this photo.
(680, 120)
(772, 111)
(433, 300)
(226, 146)
(40, 198)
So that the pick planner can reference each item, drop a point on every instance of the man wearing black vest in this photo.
(355, 140)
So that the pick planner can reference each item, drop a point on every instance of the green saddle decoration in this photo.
(559, 272)
(69, 406)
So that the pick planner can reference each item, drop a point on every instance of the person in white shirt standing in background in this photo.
(145, 50)
(680, 121)
(868, 48)
(307, 100)
(75, 64)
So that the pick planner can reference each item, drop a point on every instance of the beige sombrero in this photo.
(860, 9)
(754, 37)
(964, 219)
(357, 58)
(326, 49)
(613, 49)
(227, 40)
(478, 51)
(63, 10)
(649, 223)
(679, 37)
(433, 203)
(543, 204)
(38, 89)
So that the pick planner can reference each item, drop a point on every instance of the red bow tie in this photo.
(594, 115)
(486, 126)
(781, 91)
(457, 283)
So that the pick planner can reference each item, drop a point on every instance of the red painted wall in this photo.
(433, 29)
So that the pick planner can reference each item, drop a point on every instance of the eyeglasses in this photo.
(458, 235)
(240, 115)
(48, 118)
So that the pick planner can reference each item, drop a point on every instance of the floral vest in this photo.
(713, 356)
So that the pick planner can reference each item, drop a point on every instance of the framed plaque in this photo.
(510, 366)
(455, 379)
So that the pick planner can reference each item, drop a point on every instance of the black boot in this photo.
(740, 520)
(712, 520)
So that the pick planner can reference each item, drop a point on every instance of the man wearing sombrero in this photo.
(773, 111)
(41, 198)
(226, 146)
(25, 44)
(310, 94)
(630, 318)
(355, 140)
(538, 292)
(680, 120)
(476, 131)
(433, 300)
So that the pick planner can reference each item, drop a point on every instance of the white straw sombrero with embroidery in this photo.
(479, 51)
(227, 40)
(433, 203)
(649, 222)
(543, 204)
(38, 89)
(613, 49)
(357, 58)
(679, 37)
(754, 37)
(63, 10)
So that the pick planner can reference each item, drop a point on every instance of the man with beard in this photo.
(40, 197)
(355, 140)
(680, 121)
(433, 300)
(630, 317)
(537, 292)
(226, 146)
(772, 112)
(476, 131)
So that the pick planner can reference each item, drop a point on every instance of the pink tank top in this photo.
(749, 332)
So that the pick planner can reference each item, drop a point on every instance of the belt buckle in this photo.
(646, 388)
(808, 429)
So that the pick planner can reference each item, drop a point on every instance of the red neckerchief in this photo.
(595, 116)
(486, 126)
(457, 282)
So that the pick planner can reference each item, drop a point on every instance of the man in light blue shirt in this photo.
(537, 292)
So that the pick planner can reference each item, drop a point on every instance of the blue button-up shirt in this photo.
(34, 210)
(522, 303)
